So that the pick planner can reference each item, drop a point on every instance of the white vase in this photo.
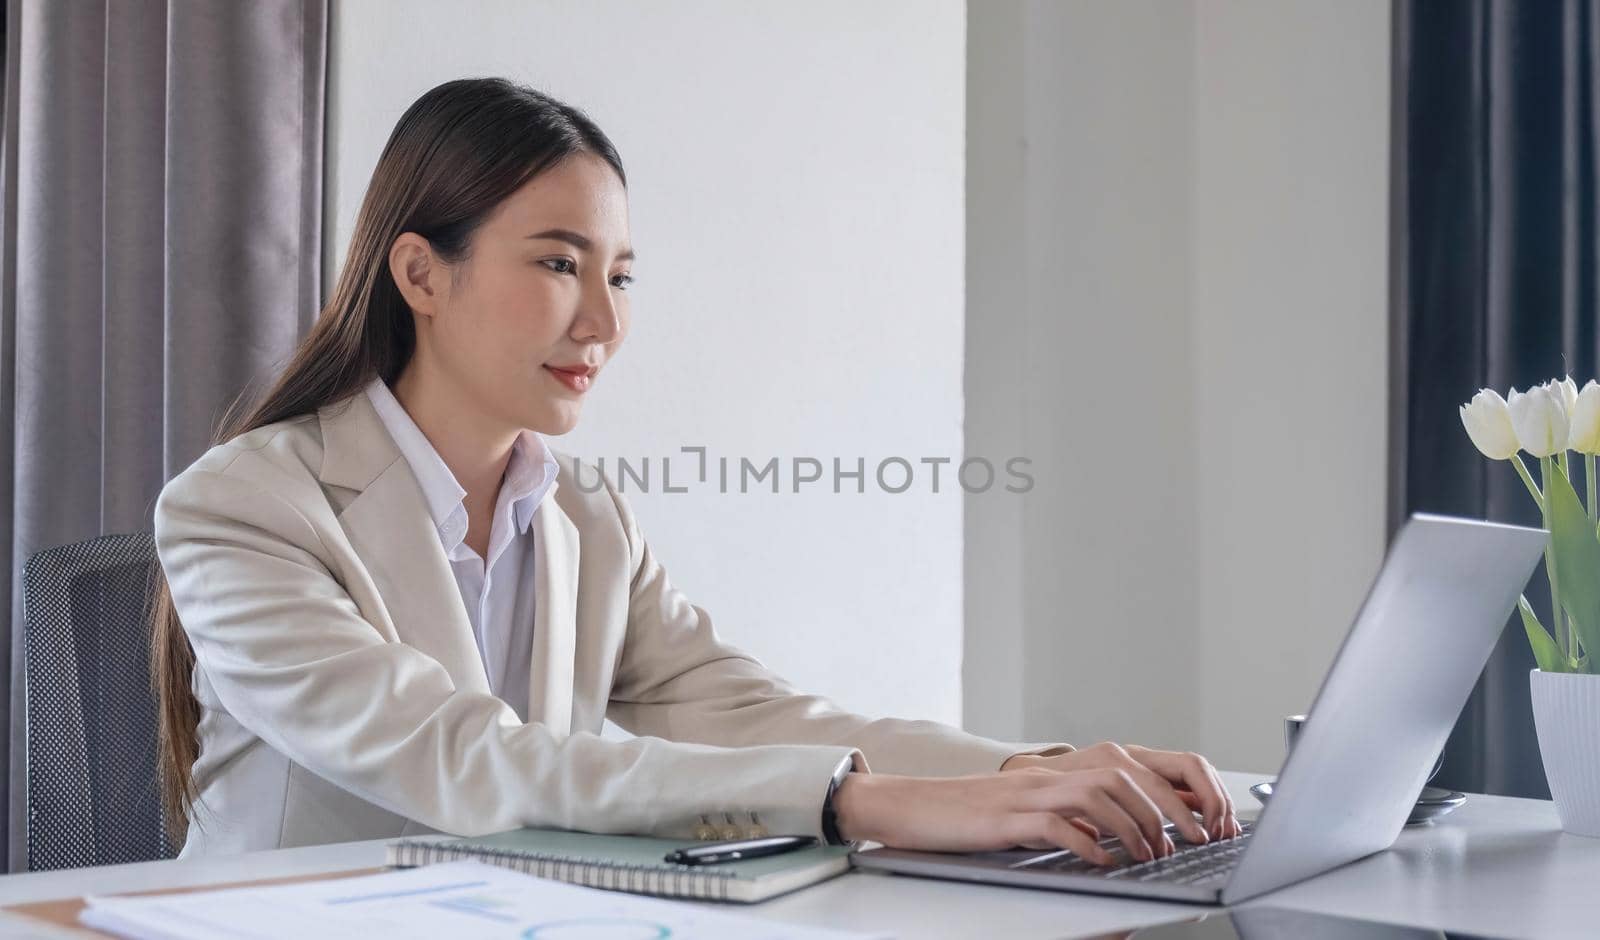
(1566, 712)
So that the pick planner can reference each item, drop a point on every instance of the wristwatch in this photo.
(830, 821)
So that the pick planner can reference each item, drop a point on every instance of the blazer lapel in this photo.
(389, 526)
(555, 616)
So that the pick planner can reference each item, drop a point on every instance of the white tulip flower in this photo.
(1488, 423)
(1585, 420)
(1540, 418)
(1569, 393)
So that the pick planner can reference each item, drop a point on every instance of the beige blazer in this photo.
(342, 695)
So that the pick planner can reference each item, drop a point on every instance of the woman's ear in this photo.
(416, 272)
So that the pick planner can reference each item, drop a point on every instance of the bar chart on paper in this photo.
(454, 899)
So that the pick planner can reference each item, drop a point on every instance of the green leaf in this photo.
(1575, 549)
(1545, 651)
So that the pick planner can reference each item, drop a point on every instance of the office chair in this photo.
(91, 715)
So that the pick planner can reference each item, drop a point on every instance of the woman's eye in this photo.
(568, 266)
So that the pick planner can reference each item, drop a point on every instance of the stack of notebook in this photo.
(629, 863)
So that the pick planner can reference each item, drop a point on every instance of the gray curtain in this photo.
(160, 249)
(1495, 243)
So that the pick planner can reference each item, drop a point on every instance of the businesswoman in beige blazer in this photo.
(390, 608)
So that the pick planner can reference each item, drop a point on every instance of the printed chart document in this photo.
(454, 899)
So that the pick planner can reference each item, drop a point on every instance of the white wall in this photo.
(1290, 356)
(796, 183)
(1200, 190)
(1078, 345)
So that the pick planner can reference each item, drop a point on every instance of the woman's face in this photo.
(540, 304)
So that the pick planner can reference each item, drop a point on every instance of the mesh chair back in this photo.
(91, 715)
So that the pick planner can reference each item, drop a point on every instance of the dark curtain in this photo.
(1493, 284)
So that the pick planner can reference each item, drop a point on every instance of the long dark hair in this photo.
(456, 154)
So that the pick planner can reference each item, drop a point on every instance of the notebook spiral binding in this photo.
(664, 880)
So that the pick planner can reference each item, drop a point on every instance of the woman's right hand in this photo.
(1031, 808)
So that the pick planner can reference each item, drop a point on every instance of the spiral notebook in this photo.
(629, 863)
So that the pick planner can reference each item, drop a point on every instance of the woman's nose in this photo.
(597, 317)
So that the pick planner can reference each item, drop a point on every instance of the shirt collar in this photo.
(530, 475)
(530, 472)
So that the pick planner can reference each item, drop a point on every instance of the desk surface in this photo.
(1496, 866)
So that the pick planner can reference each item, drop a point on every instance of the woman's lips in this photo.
(577, 381)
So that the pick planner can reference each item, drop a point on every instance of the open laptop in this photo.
(1383, 713)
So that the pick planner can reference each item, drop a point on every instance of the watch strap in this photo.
(830, 819)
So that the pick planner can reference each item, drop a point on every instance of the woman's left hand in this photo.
(1170, 778)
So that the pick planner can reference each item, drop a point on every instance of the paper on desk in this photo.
(453, 899)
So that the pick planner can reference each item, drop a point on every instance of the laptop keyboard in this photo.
(1189, 864)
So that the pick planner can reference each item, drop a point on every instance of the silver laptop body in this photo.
(1380, 719)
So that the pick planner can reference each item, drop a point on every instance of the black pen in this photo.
(713, 852)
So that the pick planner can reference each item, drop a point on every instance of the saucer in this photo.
(1433, 803)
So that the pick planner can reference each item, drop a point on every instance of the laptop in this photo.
(1381, 717)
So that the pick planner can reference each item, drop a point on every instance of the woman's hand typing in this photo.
(1065, 801)
(1170, 778)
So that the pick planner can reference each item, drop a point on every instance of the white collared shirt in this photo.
(497, 592)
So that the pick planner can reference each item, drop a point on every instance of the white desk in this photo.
(1496, 866)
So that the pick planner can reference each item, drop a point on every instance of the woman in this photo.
(389, 608)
